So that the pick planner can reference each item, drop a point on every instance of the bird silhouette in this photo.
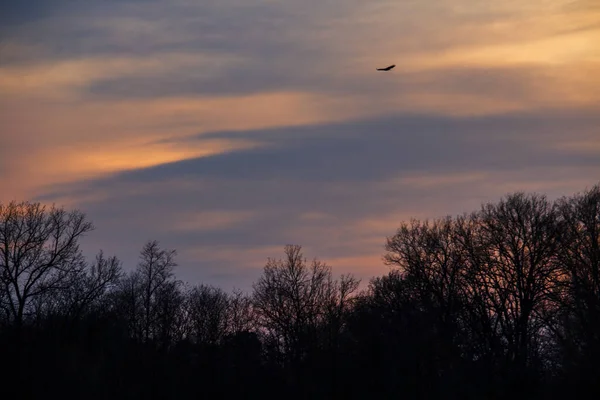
(387, 68)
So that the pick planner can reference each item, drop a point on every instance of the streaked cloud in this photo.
(340, 188)
(228, 128)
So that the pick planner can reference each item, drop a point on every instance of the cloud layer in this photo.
(229, 128)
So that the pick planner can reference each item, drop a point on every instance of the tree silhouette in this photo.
(578, 324)
(499, 302)
(295, 303)
(149, 298)
(207, 314)
(39, 254)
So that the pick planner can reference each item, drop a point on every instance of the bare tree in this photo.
(482, 325)
(155, 270)
(39, 254)
(430, 256)
(149, 298)
(87, 290)
(491, 276)
(579, 255)
(240, 313)
(127, 303)
(521, 235)
(170, 318)
(207, 313)
(294, 300)
(431, 280)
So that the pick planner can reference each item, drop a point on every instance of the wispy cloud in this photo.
(338, 189)
(229, 128)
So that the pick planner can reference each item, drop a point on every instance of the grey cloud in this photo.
(84, 28)
(16, 12)
(276, 40)
(269, 37)
(316, 75)
(337, 170)
(269, 74)
(334, 169)
(375, 149)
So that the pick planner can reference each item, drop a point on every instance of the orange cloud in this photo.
(72, 141)
(65, 79)
(46, 112)
(554, 50)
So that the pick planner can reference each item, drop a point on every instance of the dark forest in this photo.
(499, 303)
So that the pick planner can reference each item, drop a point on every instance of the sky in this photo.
(226, 129)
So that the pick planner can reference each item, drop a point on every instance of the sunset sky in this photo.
(228, 128)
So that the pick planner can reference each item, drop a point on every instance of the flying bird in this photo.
(387, 68)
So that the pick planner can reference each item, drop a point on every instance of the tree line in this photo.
(501, 302)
